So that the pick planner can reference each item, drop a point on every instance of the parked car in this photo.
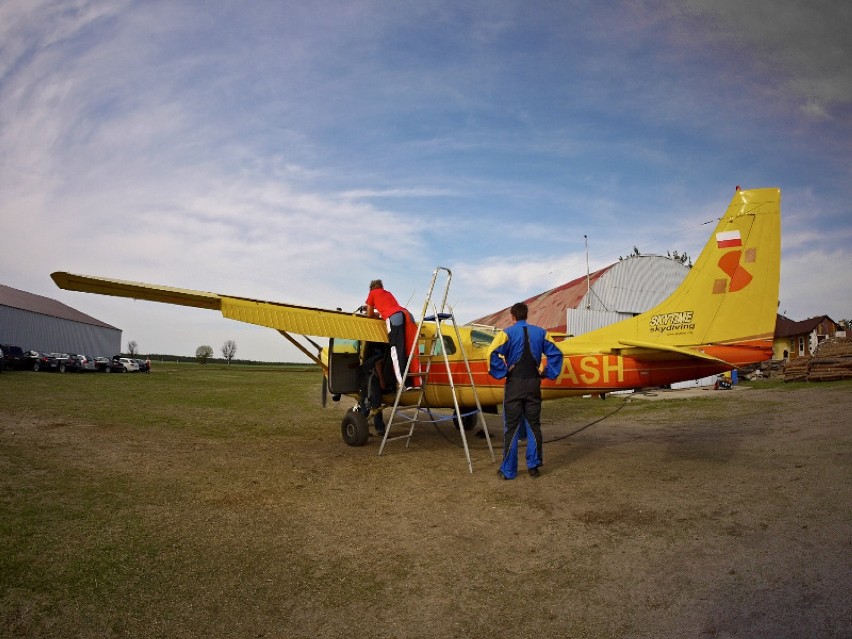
(108, 365)
(42, 361)
(29, 360)
(13, 356)
(83, 364)
(64, 362)
(115, 366)
(73, 364)
(143, 365)
(2, 360)
(130, 366)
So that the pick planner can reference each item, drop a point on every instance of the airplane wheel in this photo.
(355, 429)
(468, 421)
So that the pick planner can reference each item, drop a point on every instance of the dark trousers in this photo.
(521, 404)
(397, 354)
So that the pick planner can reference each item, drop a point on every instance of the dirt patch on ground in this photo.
(725, 514)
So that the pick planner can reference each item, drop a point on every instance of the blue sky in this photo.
(293, 151)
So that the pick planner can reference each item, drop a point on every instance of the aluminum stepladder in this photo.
(440, 314)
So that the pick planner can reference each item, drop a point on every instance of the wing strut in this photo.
(314, 358)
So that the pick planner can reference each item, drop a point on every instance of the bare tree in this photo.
(132, 347)
(229, 349)
(203, 353)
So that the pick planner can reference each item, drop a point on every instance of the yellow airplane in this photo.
(721, 317)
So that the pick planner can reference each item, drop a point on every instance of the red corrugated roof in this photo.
(548, 309)
(15, 298)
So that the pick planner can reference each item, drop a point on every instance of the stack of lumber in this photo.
(835, 347)
(831, 361)
(796, 370)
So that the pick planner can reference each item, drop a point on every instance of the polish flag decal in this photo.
(728, 239)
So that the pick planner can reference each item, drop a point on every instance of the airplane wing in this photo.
(287, 318)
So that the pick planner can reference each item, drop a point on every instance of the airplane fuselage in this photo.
(586, 370)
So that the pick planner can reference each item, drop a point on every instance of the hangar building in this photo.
(624, 289)
(39, 323)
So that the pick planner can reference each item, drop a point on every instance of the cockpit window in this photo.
(481, 338)
(345, 345)
(449, 346)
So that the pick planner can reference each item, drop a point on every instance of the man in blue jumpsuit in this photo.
(516, 355)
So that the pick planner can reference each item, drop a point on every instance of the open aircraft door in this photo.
(344, 366)
(344, 378)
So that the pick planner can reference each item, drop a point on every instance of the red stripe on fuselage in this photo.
(607, 373)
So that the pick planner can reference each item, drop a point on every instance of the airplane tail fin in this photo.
(726, 306)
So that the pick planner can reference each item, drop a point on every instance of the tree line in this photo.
(203, 355)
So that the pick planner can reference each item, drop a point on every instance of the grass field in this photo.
(207, 501)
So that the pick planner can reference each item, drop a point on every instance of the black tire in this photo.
(62, 368)
(468, 421)
(355, 429)
(36, 367)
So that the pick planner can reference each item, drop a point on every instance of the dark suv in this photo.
(13, 357)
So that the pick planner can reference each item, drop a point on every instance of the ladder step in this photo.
(440, 316)
(395, 437)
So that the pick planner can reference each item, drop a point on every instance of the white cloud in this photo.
(813, 283)
(485, 286)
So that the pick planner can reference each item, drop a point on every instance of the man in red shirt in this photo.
(402, 329)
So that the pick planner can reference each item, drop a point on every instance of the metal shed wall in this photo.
(634, 285)
(619, 291)
(631, 286)
(34, 331)
(580, 320)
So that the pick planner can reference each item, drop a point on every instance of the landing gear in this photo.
(468, 421)
(355, 429)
